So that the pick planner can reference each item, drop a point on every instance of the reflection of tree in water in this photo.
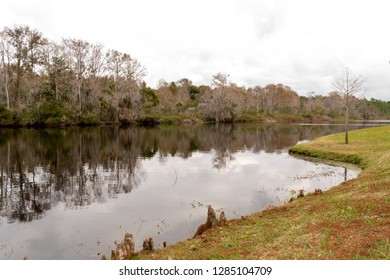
(76, 167)
(21, 197)
(222, 158)
(222, 146)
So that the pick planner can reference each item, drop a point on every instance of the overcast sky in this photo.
(303, 44)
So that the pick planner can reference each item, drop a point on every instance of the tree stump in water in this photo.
(222, 219)
(125, 249)
(211, 221)
(148, 244)
(318, 192)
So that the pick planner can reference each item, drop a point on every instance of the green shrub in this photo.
(5, 114)
(51, 112)
(88, 120)
(248, 117)
(149, 97)
(169, 120)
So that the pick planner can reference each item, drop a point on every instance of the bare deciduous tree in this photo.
(134, 70)
(95, 70)
(25, 53)
(77, 52)
(217, 105)
(348, 86)
(127, 74)
(259, 98)
(220, 80)
(5, 64)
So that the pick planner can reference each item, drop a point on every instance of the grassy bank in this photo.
(349, 221)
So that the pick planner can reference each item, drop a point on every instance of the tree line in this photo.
(74, 81)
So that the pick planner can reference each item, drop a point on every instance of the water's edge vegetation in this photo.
(349, 221)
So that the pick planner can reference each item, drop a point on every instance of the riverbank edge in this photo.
(348, 221)
(156, 119)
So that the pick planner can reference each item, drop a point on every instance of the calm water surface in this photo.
(71, 193)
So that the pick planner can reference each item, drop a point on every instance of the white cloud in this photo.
(304, 44)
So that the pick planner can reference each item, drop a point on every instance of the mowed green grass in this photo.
(349, 221)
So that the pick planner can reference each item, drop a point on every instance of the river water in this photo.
(71, 193)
